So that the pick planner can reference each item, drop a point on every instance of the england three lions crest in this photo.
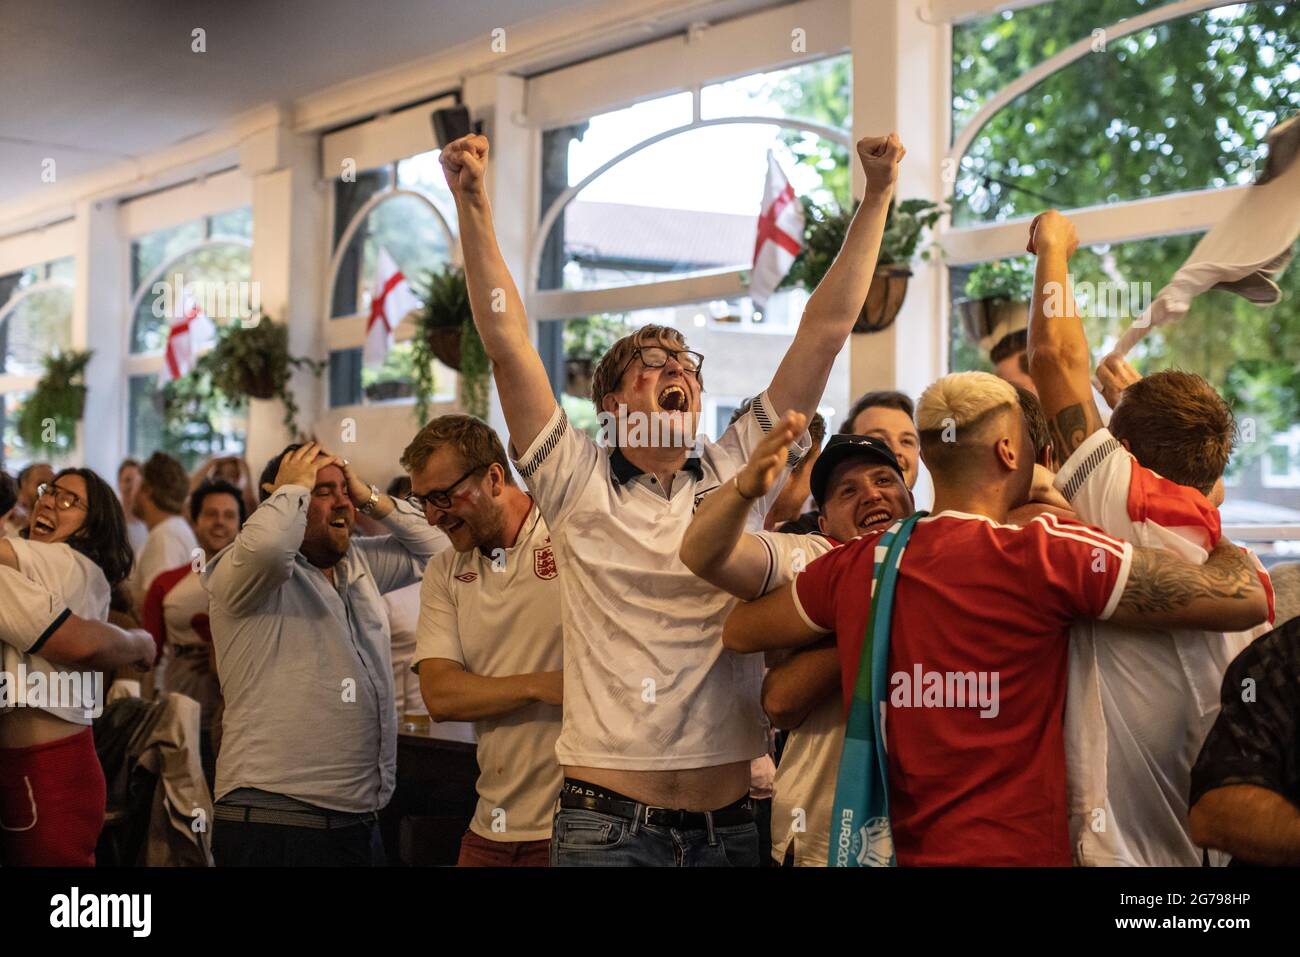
(544, 563)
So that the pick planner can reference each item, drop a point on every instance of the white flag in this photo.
(780, 234)
(390, 300)
(190, 334)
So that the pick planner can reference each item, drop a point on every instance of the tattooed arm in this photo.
(1224, 594)
(1059, 361)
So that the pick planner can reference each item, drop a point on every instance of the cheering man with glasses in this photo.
(660, 721)
(303, 645)
(488, 646)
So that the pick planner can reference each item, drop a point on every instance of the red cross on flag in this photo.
(191, 333)
(780, 234)
(391, 300)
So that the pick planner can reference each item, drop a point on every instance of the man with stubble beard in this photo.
(309, 743)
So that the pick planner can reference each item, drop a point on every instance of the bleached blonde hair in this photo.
(962, 399)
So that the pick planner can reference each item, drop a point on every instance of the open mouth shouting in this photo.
(340, 521)
(43, 525)
(674, 399)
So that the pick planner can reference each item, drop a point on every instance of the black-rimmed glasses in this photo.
(440, 497)
(656, 357)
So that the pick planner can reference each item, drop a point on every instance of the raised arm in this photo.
(835, 304)
(262, 556)
(1224, 594)
(525, 390)
(453, 694)
(716, 546)
(769, 623)
(1059, 361)
(398, 558)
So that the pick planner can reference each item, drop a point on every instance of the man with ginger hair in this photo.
(990, 604)
(1140, 704)
(660, 721)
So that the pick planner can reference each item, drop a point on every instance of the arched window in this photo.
(35, 320)
(649, 214)
(406, 211)
(1054, 108)
(206, 261)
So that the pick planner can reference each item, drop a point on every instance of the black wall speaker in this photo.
(450, 124)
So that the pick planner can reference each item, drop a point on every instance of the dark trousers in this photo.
(239, 844)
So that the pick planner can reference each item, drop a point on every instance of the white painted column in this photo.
(513, 178)
(100, 322)
(899, 84)
(289, 261)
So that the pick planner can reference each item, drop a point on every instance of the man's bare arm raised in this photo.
(1059, 360)
(834, 305)
(526, 397)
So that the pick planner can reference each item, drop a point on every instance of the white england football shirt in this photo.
(647, 683)
(1139, 703)
(75, 582)
(499, 615)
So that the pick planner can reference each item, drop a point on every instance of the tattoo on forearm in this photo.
(1071, 426)
(1157, 585)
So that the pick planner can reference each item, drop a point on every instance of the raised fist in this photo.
(1052, 231)
(464, 162)
(880, 156)
(1114, 375)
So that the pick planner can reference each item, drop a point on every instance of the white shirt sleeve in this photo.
(29, 614)
(438, 633)
(737, 444)
(558, 465)
(789, 554)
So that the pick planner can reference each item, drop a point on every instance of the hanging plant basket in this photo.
(884, 298)
(444, 343)
(986, 321)
(47, 422)
(257, 385)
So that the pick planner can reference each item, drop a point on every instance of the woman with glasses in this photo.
(52, 791)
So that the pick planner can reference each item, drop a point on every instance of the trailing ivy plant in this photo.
(249, 360)
(48, 420)
(826, 226)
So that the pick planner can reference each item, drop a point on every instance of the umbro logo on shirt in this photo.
(467, 577)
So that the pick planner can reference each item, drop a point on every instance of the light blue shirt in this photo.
(306, 665)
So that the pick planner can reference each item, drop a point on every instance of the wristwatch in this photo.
(372, 501)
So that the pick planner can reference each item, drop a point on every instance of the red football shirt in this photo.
(977, 670)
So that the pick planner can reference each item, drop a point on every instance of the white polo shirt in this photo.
(74, 582)
(647, 683)
(170, 543)
(1139, 703)
(498, 616)
(805, 778)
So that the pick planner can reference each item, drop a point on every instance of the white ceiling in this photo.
(89, 83)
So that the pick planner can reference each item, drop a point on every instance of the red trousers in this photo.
(52, 799)
(478, 851)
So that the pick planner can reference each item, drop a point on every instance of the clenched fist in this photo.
(464, 163)
(880, 156)
(1114, 375)
(1050, 231)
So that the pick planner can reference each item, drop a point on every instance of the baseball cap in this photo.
(841, 448)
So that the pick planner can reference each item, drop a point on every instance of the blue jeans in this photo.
(582, 838)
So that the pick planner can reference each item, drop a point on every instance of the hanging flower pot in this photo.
(577, 377)
(884, 298)
(444, 343)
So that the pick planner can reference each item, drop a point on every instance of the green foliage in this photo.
(1181, 106)
(48, 420)
(826, 227)
(446, 306)
(1009, 279)
(822, 92)
(590, 337)
(250, 359)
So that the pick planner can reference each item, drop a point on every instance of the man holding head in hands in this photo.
(309, 747)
